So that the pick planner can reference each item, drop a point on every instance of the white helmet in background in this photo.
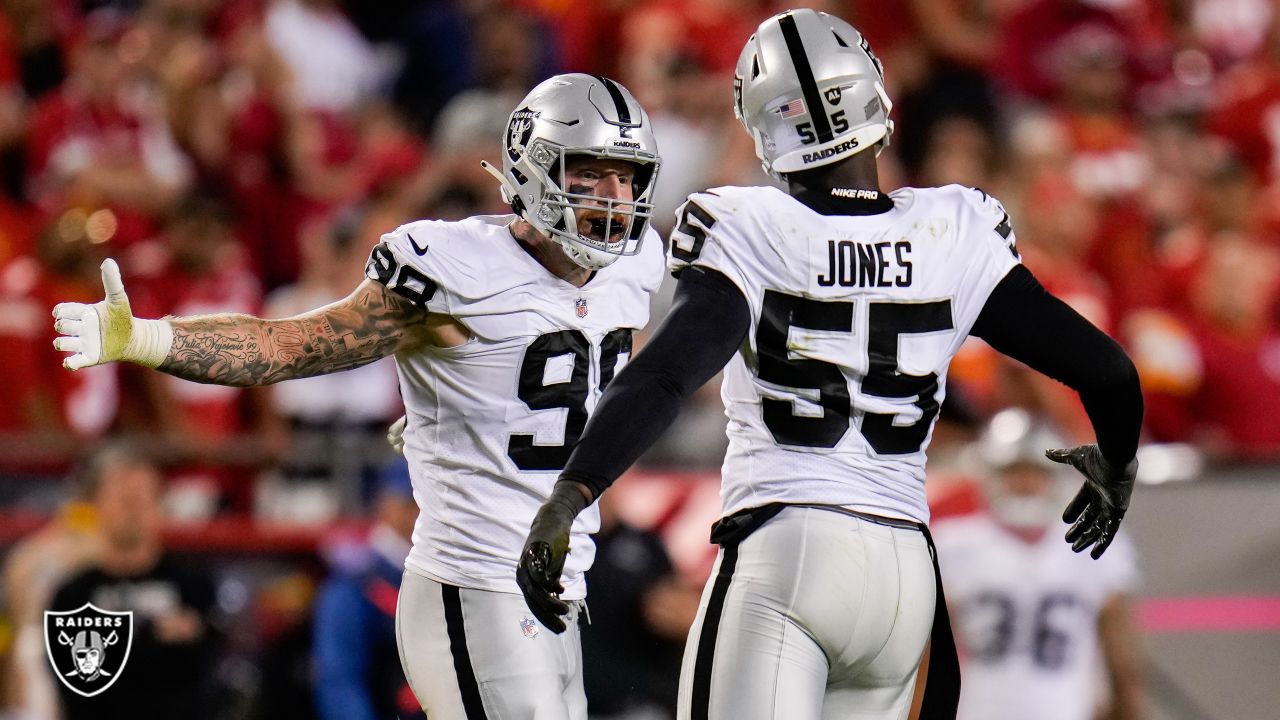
(810, 92)
(579, 115)
(1013, 439)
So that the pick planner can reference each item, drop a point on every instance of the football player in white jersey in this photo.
(505, 330)
(1031, 617)
(837, 308)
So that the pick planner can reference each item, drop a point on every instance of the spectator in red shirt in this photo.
(1033, 38)
(1213, 376)
(102, 138)
(1248, 110)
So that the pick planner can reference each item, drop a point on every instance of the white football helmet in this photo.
(1016, 438)
(810, 92)
(575, 115)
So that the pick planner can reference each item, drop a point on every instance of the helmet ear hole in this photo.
(755, 66)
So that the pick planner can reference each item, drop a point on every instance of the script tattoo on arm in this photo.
(242, 350)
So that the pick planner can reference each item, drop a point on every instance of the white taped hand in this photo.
(106, 331)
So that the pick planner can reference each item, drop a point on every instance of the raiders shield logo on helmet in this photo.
(518, 132)
(88, 647)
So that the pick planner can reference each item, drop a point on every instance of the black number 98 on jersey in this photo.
(537, 394)
(886, 322)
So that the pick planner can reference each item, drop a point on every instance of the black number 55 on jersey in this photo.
(887, 322)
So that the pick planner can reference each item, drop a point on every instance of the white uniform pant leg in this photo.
(817, 614)
(466, 656)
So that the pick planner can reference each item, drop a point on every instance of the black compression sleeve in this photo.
(705, 327)
(1024, 321)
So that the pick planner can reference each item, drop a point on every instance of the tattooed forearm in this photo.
(243, 350)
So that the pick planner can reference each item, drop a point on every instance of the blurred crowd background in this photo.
(245, 155)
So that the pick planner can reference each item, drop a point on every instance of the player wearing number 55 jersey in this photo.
(837, 308)
(505, 331)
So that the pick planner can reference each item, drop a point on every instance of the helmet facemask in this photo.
(594, 230)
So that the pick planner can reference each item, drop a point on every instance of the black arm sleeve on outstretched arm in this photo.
(705, 327)
(1024, 321)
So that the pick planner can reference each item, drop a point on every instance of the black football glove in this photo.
(542, 559)
(1100, 505)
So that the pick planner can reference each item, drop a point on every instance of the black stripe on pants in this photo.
(467, 685)
(701, 695)
(942, 681)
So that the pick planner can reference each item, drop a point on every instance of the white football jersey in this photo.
(492, 421)
(1026, 618)
(833, 396)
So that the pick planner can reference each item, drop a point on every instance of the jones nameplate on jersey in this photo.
(855, 264)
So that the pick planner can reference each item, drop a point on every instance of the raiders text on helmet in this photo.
(810, 92)
(577, 115)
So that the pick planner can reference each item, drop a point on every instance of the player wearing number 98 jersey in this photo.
(492, 420)
(838, 308)
(505, 330)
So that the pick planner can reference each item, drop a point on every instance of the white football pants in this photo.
(476, 654)
(817, 614)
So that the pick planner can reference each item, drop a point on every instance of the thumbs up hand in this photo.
(106, 331)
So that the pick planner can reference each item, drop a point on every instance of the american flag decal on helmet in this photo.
(791, 109)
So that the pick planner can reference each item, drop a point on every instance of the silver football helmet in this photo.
(579, 115)
(1014, 437)
(810, 92)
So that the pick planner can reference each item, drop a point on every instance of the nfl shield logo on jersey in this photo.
(88, 647)
(530, 627)
(580, 307)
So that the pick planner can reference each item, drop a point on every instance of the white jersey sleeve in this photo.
(421, 262)
(701, 239)
(988, 234)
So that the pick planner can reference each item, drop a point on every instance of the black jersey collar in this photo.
(845, 201)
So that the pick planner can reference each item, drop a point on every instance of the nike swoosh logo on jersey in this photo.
(420, 249)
